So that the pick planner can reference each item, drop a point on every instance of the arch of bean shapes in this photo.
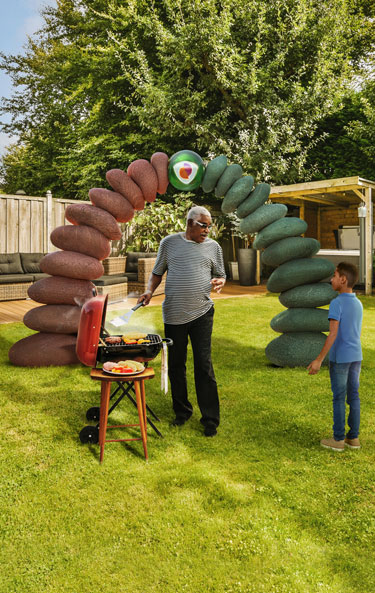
(87, 241)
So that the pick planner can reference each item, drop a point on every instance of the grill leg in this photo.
(126, 392)
(140, 407)
(153, 413)
(104, 403)
(143, 396)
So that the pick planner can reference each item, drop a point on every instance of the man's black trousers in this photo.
(199, 331)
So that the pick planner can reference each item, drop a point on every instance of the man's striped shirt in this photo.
(190, 267)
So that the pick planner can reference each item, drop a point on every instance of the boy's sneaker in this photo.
(352, 443)
(332, 444)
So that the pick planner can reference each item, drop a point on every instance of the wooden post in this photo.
(258, 268)
(302, 213)
(318, 227)
(49, 229)
(369, 234)
(233, 248)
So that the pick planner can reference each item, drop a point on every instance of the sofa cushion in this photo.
(15, 278)
(10, 263)
(131, 276)
(30, 262)
(108, 280)
(132, 260)
(40, 276)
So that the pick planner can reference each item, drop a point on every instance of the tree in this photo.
(362, 128)
(108, 81)
(344, 142)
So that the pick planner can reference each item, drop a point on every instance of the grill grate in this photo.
(155, 339)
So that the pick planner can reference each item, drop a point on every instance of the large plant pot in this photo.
(247, 265)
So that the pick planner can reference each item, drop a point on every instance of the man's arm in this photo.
(152, 285)
(314, 366)
(218, 270)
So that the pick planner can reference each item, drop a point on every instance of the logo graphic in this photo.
(185, 171)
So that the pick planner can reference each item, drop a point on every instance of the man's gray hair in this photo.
(197, 211)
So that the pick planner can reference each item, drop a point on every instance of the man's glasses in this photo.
(204, 225)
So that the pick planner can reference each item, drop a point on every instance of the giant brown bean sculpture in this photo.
(83, 245)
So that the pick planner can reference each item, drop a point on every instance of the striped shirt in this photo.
(191, 267)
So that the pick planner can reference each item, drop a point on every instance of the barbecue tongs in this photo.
(123, 319)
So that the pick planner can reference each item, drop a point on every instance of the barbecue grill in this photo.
(91, 346)
(92, 349)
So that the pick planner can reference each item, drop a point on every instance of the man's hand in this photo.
(314, 367)
(145, 298)
(217, 284)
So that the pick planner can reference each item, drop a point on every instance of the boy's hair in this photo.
(350, 271)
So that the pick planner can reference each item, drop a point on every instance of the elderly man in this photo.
(195, 265)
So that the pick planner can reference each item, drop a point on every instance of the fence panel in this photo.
(37, 227)
(24, 223)
(3, 218)
(24, 213)
(12, 219)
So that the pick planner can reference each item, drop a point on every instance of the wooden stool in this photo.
(140, 394)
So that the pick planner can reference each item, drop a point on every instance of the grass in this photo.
(261, 507)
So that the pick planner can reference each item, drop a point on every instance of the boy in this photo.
(345, 355)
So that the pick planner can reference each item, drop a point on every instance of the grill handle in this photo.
(141, 304)
(168, 341)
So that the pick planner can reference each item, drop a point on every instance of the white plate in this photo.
(123, 374)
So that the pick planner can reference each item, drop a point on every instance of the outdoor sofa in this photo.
(138, 268)
(18, 271)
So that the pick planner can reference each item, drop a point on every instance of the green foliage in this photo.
(105, 82)
(232, 226)
(343, 145)
(260, 508)
(156, 221)
(361, 129)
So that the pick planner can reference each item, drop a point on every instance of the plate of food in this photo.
(124, 367)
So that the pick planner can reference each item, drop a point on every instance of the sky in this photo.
(18, 19)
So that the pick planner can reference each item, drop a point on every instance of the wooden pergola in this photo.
(342, 193)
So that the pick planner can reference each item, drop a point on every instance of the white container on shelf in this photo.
(233, 269)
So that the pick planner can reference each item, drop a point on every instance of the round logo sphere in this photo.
(185, 170)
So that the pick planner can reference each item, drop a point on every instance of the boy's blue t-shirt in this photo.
(348, 310)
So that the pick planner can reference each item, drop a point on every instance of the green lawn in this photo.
(261, 507)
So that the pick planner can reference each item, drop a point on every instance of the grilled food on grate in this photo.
(113, 340)
(134, 335)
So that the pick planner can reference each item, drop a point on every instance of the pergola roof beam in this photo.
(320, 199)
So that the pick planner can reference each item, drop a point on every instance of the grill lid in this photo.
(90, 324)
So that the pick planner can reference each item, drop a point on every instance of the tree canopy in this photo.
(107, 81)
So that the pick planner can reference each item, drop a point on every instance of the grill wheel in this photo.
(89, 434)
(93, 414)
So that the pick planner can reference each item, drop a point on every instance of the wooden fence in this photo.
(26, 223)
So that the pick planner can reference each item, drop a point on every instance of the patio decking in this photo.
(13, 311)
